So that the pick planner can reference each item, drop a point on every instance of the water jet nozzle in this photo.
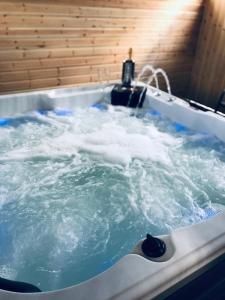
(153, 247)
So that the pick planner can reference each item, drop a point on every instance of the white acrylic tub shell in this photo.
(188, 249)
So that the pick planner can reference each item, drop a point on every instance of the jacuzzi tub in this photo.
(191, 251)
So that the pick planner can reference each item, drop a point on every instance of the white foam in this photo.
(66, 235)
(110, 140)
(7, 272)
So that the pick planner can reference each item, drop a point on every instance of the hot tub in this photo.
(195, 243)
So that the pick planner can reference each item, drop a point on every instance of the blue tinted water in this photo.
(79, 190)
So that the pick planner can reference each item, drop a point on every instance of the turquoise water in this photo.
(78, 192)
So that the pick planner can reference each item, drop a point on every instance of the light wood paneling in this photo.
(49, 43)
(208, 77)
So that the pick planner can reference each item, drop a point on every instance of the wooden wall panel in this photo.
(49, 43)
(208, 76)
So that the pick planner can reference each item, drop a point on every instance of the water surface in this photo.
(78, 192)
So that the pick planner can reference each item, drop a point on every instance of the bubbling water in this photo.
(78, 192)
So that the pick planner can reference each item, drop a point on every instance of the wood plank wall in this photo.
(62, 42)
(208, 77)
